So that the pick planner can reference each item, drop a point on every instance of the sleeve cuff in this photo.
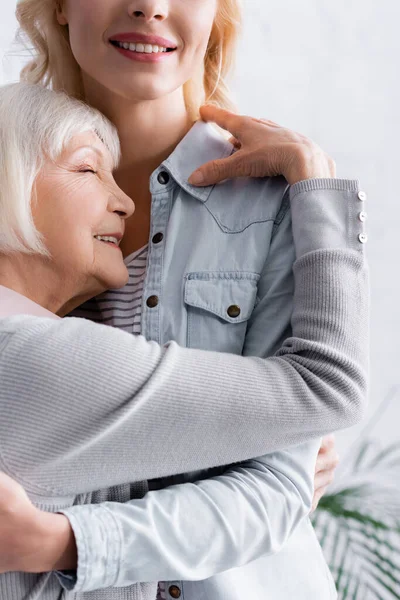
(328, 214)
(98, 542)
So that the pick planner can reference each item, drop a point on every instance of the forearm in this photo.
(190, 531)
(316, 383)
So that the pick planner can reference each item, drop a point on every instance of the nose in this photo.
(148, 10)
(122, 205)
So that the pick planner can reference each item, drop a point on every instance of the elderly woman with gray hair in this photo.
(85, 407)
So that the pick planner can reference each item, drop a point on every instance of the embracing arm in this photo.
(82, 403)
(201, 528)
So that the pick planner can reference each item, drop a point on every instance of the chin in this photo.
(117, 280)
(144, 91)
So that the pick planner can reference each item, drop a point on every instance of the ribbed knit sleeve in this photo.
(85, 406)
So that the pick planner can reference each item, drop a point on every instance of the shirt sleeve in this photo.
(191, 531)
(85, 406)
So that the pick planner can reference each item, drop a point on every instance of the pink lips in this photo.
(143, 57)
(134, 38)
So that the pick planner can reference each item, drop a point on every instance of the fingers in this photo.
(217, 170)
(328, 457)
(223, 118)
(317, 497)
(328, 441)
(327, 462)
(323, 479)
(267, 122)
(235, 143)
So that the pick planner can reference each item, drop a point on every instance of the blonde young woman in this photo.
(213, 296)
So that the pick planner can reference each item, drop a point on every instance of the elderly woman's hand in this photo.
(263, 149)
(32, 540)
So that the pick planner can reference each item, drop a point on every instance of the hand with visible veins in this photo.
(263, 149)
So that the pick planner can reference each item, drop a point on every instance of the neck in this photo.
(149, 130)
(36, 279)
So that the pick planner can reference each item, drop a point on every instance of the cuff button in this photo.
(362, 196)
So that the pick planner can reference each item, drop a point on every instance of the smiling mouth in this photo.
(108, 239)
(142, 48)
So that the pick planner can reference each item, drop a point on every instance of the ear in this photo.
(60, 13)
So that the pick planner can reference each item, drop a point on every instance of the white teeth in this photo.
(107, 238)
(142, 48)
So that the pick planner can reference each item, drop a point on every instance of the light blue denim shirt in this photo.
(219, 277)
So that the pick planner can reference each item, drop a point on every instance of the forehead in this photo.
(88, 141)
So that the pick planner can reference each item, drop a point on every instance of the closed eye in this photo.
(87, 171)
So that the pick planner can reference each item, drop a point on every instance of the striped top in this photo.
(120, 308)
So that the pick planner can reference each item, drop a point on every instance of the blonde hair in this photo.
(54, 64)
(36, 124)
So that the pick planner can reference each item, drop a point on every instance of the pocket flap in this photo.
(230, 296)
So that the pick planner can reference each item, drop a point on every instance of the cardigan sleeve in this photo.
(85, 406)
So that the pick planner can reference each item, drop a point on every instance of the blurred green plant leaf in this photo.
(358, 526)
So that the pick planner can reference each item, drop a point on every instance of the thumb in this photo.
(218, 170)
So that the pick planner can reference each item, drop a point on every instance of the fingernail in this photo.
(196, 178)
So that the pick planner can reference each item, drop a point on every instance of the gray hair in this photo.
(36, 124)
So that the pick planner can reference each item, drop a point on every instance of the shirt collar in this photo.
(12, 303)
(200, 145)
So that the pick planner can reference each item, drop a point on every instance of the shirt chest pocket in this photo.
(218, 306)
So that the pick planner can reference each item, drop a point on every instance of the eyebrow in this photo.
(99, 153)
(90, 147)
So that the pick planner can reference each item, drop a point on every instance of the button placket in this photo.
(160, 209)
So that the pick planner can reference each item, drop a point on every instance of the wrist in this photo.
(311, 163)
(58, 549)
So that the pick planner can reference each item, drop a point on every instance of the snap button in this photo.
(163, 177)
(363, 238)
(157, 238)
(152, 301)
(174, 591)
(233, 311)
(362, 196)
(362, 216)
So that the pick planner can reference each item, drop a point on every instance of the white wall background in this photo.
(327, 68)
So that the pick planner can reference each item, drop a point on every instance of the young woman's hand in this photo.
(263, 149)
(327, 461)
(32, 540)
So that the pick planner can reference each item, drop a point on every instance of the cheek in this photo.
(66, 214)
(87, 22)
(197, 31)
